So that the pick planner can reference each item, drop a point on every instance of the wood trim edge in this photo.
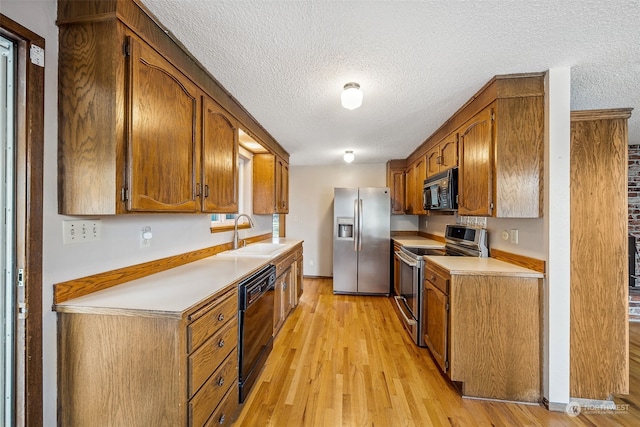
(520, 260)
(432, 236)
(64, 291)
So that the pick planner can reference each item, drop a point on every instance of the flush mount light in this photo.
(351, 97)
(349, 156)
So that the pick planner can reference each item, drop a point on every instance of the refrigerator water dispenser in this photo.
(345, 228)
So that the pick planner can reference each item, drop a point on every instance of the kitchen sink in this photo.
(256, 250)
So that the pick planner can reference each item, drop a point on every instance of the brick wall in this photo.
(634, 199)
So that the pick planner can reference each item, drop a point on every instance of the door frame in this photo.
(29, 222)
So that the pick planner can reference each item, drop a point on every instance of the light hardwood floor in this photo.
(346, 361)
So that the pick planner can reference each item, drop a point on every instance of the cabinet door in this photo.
(219, 160)
(421, 175)
(299, 277)
(161, 134)
(475, 175)
(282, 187)
(433, 161)
(395, 181)
(449, 152)
(410, 189)
(436, 323)
(278, 304)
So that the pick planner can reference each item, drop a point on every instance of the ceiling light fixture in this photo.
(351, 97)
(349, 156)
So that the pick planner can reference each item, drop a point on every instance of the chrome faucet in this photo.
(235, 229)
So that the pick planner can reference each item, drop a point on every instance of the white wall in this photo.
(311, 207)
(119, 247)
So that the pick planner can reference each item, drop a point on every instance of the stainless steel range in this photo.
(459, 241)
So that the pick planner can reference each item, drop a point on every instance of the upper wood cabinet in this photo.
(270, 185)
(420, 176)
(410, 190)
(396, 182)
(475, 172)
(161, 133)
(141, 126)
(219, 159)
(443, 156)
(499, 149)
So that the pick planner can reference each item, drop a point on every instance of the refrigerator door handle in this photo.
(360, 224)
(356, 231)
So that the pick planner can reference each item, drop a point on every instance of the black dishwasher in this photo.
(255, 315)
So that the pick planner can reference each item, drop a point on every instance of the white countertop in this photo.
(171, 292)
(481, 266)
(418, 242)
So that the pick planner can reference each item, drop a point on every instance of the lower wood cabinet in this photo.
(435, 326)
(288, 279)
(149, 368)
(484, 332)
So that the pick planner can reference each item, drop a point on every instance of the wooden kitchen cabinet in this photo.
(443, 156)
(420, 170)
(162, 119)
(435, 326)
(288, 273)
(141, 126)
(219, 159)
(396, 182)
(270, 185)
(494, 331)
(475, 190)
(146, 368)
(410, 190)
(500, 150)
(299, 273)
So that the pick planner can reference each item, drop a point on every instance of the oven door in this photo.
(408, 301)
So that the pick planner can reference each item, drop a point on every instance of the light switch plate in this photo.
(80, 231)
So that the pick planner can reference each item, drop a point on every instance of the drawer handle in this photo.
(221, 343)
(220, 317)
(433, 278)
(221, 381)
(221, 420)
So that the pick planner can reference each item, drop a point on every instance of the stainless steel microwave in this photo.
(440, 191)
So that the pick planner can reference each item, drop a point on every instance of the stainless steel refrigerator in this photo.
(361, 240)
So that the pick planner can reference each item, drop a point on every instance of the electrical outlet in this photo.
(514, 236)
(145, 237)
(80, 231)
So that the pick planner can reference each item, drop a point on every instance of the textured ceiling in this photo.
(416, 61)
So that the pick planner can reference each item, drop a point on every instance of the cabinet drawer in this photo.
(206, 359)
(438, 277)
(284, 263)
(216, 314)
(226, 411)
(207, 398)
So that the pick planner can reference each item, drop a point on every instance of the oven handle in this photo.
(407, 260)
(409, 322)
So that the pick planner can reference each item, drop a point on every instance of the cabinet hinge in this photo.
(126, 48)
(20, 278)
(493, 116)
(23, 310)
(446, 307)
(491, 205)
(124, 194)
(446, 365)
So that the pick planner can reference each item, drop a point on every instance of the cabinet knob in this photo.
(221, 419)
(220, 317)
(221, 343)
(221, 381)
